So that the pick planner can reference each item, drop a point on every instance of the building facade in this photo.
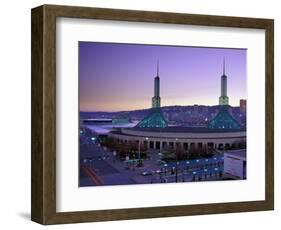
(185, 138)
(243, 106)
(235, 164)
(153, 131)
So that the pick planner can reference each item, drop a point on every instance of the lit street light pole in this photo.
(139, 147)
(177, 171)
(139, 150)
(177, 163)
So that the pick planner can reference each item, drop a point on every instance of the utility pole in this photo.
(176, 172)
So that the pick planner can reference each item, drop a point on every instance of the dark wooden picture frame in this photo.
(43, 197)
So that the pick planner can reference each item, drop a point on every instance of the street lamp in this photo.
(194, 174)
(139, 157)
(114, 153)
(177, 171)
(177, 162)
(205, 175)
(187, 166)
(139, 149)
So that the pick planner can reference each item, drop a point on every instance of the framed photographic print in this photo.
(141, 114)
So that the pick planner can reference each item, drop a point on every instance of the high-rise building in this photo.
(156, 100)
(243, 105)
(223, 100)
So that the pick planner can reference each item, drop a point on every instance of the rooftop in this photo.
(179, 129)
(241, 153)
(223, 120)
(154, 119)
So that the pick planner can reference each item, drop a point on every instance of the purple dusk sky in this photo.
(119, 77)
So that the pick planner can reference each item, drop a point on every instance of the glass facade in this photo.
(223, 120)
(154, 120)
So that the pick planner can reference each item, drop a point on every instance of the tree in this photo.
(168, 154)
(180, 154)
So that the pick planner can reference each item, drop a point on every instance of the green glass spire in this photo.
(223, 120)
(155, 119)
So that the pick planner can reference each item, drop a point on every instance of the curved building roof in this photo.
(180, 133)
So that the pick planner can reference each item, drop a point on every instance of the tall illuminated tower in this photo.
(155, 118)
(156, 100)
(223, 100)
(224, 120)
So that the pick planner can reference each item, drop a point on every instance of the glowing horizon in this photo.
(119, 77)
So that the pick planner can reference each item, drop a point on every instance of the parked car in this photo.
(147, 173)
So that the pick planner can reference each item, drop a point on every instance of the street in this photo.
(99, 166)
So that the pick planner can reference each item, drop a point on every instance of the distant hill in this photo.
(184, 115)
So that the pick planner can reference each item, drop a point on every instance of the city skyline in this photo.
(119, 77)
